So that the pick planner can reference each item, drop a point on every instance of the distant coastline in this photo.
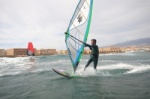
(22, 52)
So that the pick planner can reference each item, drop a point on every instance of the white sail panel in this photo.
(78, 30)
(82, 15)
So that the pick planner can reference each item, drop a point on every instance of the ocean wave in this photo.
(18, 60)
(119, 54)
(115, 66)
(139, 69)
(19, 65)
(128, 68)
(113, 69)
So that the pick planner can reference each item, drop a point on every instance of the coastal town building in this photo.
(14, 52)
(111, 50)
(45, 52)
(146, 48)
(37, 53)
(62, 52)
(21, 52)
(2, 52)
(87, 51)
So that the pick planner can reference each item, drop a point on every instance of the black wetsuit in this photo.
(94, 55)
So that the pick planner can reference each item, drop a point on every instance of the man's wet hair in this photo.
(94, 40)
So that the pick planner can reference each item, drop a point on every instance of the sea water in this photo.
(118, 76)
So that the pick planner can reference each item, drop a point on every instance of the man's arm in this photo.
(87, 45)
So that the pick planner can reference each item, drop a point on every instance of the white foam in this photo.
(119, 54)
(115, 66)
(107, 54)
(104, 70)
(88, 72)
(107, 61)
(6, 61)
(14, 66)
(139, 69)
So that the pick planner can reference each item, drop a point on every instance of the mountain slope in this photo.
(137, 42)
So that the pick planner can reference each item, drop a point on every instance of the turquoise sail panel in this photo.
(78, 30)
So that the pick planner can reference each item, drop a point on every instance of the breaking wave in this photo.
(109, 66)
(113, 69)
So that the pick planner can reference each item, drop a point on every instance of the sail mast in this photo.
(78, 30)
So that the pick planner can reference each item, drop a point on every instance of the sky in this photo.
(44, 22)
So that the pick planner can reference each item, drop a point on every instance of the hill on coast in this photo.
(137, 42)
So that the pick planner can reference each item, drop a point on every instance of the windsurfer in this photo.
(94, 54)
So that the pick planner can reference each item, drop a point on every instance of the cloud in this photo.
(41, 21)
(44, 22)
(116, 21)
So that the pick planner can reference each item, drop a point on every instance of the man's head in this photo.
(93, 41)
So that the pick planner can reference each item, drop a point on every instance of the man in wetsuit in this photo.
(94, 55)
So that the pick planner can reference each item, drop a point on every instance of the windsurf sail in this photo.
(78, 30)
(30, 49)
